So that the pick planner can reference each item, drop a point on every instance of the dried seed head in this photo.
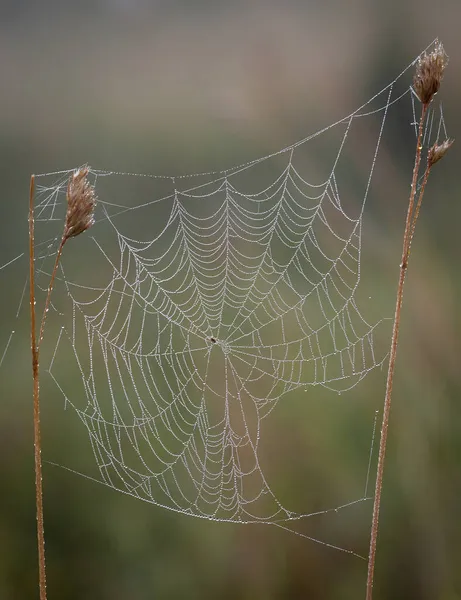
(429, 73)
(81, 201)
(438, 151)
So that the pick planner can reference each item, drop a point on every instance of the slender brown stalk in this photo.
(436, 152)
(429, 73)
(79, 217)
(35, 373)
(50, 289)
(392, 357)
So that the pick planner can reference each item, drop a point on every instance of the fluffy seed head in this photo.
(81, 201)
(438, 151)
(429, 73)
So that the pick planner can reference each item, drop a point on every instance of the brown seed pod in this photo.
(438, 151)
(429, 73)
(81, 202)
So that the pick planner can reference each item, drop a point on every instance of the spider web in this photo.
(204, 301)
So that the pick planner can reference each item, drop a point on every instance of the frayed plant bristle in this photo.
(81, 202)
(429, 73)
(438, 151)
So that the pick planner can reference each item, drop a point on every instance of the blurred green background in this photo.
(176, 87)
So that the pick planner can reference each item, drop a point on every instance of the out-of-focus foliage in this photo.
(176, 87)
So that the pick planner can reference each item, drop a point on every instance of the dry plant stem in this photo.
(35, 371)
(35, 346)
(418, 205)
(50, 289)
(79, 217)
(410, 223)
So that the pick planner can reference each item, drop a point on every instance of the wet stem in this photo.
(410, 224)
(35, 347)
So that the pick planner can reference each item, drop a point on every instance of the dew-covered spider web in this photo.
(196, 304)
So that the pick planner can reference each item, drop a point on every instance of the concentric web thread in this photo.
(197, 303)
